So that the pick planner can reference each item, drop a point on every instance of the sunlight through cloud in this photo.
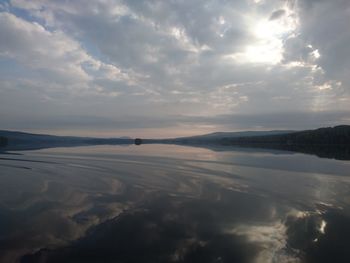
(269, 37)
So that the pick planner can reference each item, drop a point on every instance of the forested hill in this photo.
(3, 141)
(323, 142)
(339, 135)
(21, 141)
(220, 135)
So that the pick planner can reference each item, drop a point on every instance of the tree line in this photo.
(339, 135)
(3, 141)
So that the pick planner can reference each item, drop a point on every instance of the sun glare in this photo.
(269, 36)
(265, 53)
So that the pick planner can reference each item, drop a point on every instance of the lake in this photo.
(167, 203)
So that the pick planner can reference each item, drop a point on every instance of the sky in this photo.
(172, 68)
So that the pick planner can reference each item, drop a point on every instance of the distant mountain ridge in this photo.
(321, 140)
(338, 135)
(21, 140)
(3, 141)
(18, 135)
(219, 135)
(330, 135)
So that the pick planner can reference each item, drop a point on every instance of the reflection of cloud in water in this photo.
(320, 236)
(52, 205)
(192, 209)
(272, 240)
(169, 229)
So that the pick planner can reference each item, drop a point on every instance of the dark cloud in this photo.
(277, 14)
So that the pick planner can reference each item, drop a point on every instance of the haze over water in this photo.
(166, 203)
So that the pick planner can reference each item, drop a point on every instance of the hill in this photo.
(338, 135)
(323, 142)
(221, 135)
(25, 141)
(3, 141)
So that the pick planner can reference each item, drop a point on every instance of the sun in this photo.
(268, 36)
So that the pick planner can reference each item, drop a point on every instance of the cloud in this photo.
(35, 47)
(53, 53)
(323, 27)
(154, 59)
(277, 14)
(175, 125)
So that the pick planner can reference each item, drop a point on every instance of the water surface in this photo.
(166, 203)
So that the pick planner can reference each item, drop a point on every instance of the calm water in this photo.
(163, 203)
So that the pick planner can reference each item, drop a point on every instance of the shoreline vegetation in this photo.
(28, 141)
(3, 141)
(330, 142)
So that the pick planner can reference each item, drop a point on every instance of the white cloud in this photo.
(61, 57)
(271, 238)
(151, 57)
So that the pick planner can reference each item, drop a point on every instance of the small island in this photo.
(138, 141)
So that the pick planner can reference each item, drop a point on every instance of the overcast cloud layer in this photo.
(169, 68)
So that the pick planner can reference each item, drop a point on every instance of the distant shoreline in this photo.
(324, 142)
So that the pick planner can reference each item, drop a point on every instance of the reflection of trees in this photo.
(339, 152)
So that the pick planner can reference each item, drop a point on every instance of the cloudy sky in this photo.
(170, 68)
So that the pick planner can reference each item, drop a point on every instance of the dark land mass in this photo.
(331, 142)
(219, 135)
(28, 141)
(3, 141)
